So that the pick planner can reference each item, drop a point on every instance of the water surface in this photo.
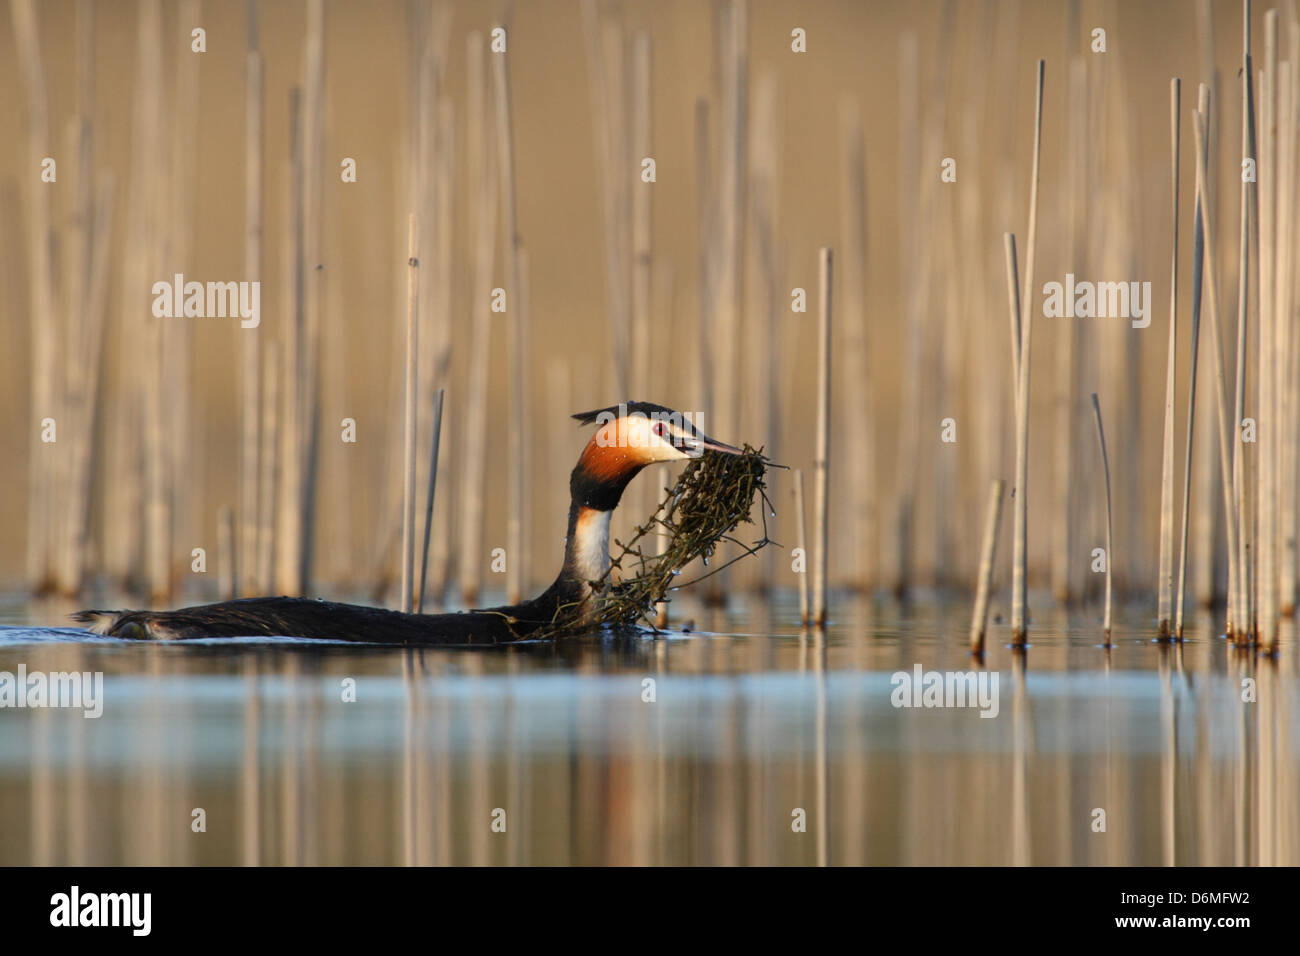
(743, 740)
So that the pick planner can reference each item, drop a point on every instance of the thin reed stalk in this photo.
(1119, 253)
(288, 537)
(269, 463)
(1240, 618)
(312, 285)
(1267, 453)
(409, 433)
(157, 491)
(1070, 349)
(1198, 263)
(1013, 302)
(40, 284)
(1282, 503)
(445, 275)
(821, 464)
(853, 224)
(1288, 405)
(433, 486)
(1020, 394)
(706, 222)
(1204, 519)
(903, 518)
(480, 163)
(773, 292)
(988, 552)
(1021, 520)
(801, 542)
(1110, 553)
(515, 309)
(1165, 594)
(1026, 302)
(1225, 441)
(662, 538)
(1289, 353)
(250, 341)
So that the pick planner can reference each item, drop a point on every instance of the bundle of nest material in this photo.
(713, 496)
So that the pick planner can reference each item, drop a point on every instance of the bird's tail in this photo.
(131, 625)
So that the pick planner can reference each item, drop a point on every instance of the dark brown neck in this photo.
(601, 475)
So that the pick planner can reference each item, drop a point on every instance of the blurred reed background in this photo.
(225, 166)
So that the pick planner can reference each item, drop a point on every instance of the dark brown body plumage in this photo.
(328, 620)
(323, 620)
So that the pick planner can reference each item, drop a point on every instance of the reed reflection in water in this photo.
(751, 728)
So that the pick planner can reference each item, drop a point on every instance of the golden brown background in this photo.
(853, 58)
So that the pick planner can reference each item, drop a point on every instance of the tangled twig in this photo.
(712, 497)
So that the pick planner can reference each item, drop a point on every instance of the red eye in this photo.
(661, 430)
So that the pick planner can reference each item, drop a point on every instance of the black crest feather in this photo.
(645, 408)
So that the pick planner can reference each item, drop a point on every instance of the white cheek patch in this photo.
(591, 544)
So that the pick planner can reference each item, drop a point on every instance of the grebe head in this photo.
(630, 436)
(646, 433)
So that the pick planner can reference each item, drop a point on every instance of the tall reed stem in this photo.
(433, 486)
(1225, 431)
(988, 552)
(1267, 457)
(36, 196)
(250, 340)
(1021, 522)
(1110, 552)
(1166, 569)
(801, 542)
(409, 439)
(481, 163)
(515, 308)
(1198, 260)
(821, 465)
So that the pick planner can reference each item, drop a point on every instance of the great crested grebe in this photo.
(629, 437)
